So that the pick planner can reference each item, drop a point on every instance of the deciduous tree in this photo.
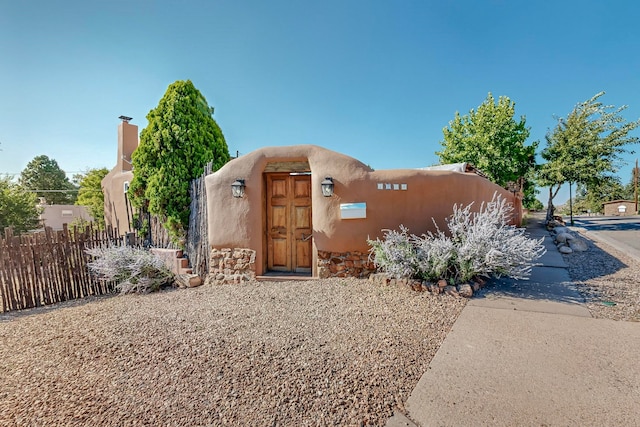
(181, 138)
(494, 142)
(18, 208)
(630, 190)
(586, 147)
(44, 175)
(592, 199)
(90, 193)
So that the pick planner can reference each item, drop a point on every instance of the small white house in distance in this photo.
(55, 215)
(620, 208)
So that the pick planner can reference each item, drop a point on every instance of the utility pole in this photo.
(570, 205)
(635, 187)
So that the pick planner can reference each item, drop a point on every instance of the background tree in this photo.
(43, 173)
(18, 208)
(630, 188)
(494, 142)
(181, 138)
(536, 205)
(592, 199)
(585, 148)
(90, 193)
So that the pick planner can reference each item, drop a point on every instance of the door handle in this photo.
(304, 239)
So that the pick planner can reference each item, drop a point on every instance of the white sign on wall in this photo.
(353, 210)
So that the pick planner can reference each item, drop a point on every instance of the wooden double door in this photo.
(289, 226)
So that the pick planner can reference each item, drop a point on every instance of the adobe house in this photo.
(118, 211)
(55, 216)
(308, 210)
(620, 208)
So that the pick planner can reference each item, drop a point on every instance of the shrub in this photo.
(396, 254)
(133, 270)
(478, 244)
(437, 255)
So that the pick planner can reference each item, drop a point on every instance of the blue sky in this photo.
(376, 80)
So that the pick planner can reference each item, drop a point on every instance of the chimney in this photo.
(127, 143)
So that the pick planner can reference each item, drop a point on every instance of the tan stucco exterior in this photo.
(117, 209)
(240, 222)
(55, 216)
(620, 208)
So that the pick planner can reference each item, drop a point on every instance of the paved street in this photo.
(623, 233)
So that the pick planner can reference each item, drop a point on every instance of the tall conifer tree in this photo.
(181, 138)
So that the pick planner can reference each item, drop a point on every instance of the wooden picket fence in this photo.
(50, 266)
(197, 246)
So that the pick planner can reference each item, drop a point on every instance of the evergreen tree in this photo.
(181, 138)
(44, 174)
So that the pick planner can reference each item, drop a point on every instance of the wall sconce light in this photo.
(237, 188)
(327, 187)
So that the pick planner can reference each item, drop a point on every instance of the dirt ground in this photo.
(322, 352)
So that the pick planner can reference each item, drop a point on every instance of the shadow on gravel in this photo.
(6, 316)
(593, 263)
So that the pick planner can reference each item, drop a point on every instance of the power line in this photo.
(62, 191)
(18, 173)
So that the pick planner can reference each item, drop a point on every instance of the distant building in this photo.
(620, 208)
(118, 211)
(55, 216)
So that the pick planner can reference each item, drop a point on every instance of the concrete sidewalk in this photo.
(528, 353)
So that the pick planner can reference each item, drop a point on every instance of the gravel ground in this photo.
(321, 352)
(609, 281)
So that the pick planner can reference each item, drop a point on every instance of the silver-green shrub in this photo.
(486, 245)
(477, 244)
(396, 254)
(437, 256)
(133, 270)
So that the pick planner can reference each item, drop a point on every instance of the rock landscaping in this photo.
(566, 240)
(608, 279)
(464, 290)
(342, 352)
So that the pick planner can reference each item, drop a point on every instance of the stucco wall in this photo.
(240, 222)
(55, 216)
(117, 210)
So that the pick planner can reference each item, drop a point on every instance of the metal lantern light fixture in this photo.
(237, 188)
(327, 187)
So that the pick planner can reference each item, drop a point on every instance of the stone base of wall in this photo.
(344, 264)
(440, 287)
(229, 265)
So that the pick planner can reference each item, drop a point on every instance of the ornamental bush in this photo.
(133, 270)
(397, 254)
(180, 139)
(477, 244)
